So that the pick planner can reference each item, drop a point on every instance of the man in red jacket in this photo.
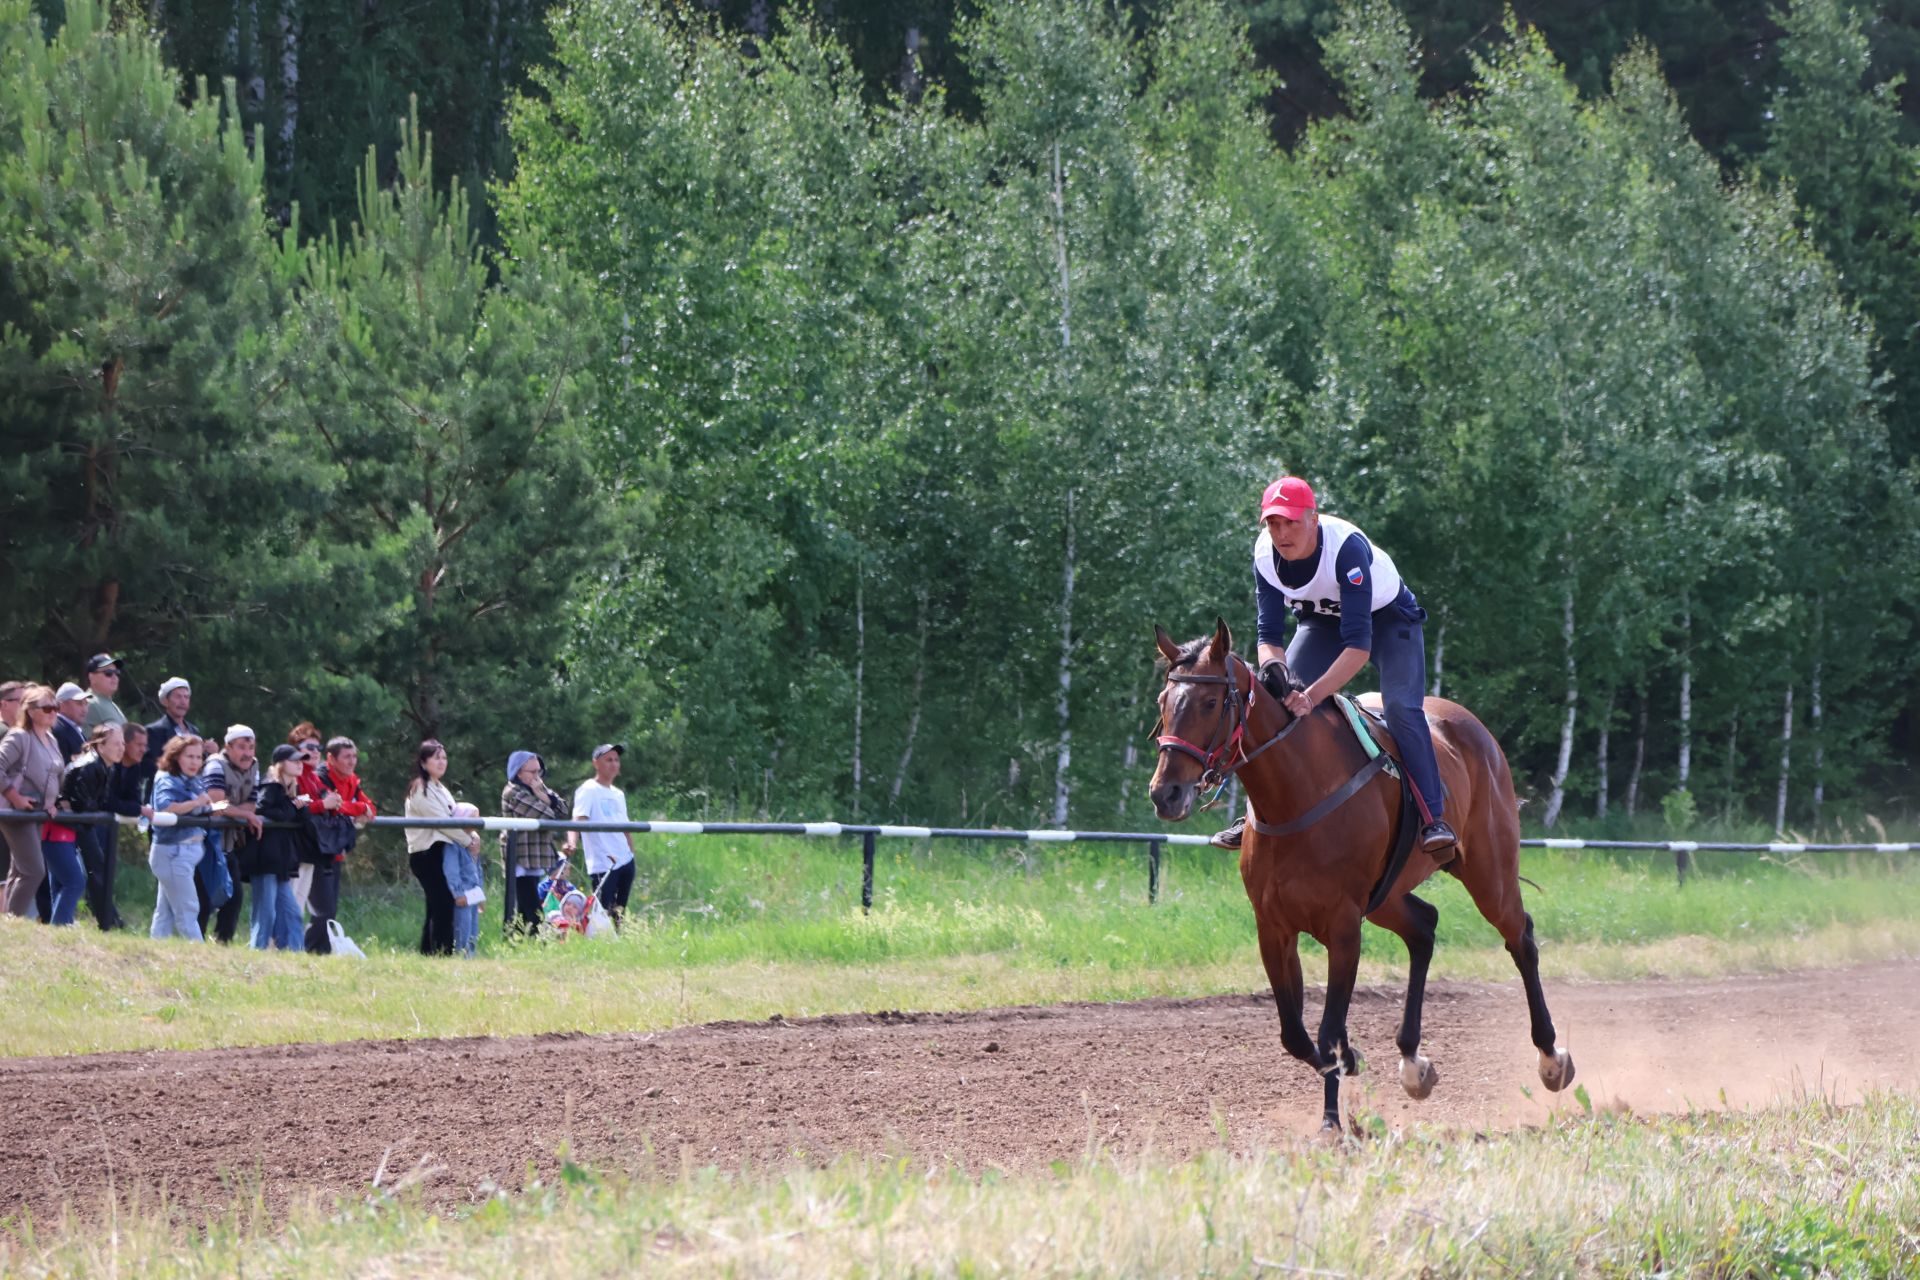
(342, 796)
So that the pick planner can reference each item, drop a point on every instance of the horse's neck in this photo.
(1286, 780)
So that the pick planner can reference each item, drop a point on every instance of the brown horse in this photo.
(1315, 868)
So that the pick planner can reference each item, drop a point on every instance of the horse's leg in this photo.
(1280, 952)
(1413, 919)
(1556, 1064)
(1343, 967)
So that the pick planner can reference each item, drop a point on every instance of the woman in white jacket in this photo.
(428, 797)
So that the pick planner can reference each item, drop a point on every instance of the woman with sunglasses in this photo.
(31, 767)
(306, 741)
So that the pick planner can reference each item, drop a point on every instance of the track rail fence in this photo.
(870, 834)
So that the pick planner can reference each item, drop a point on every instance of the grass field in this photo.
(1801, 1191)
(747, 927)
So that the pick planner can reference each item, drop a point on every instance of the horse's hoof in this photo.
(1556, 1070)
(1417, 1077)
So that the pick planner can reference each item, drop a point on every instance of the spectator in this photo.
(103, 683)
(527, 857)
(305, 739)
(30, 773)
(342, 798)
(609, 853)
(71, 702)
(176, 695)
(427, 847)
(9, 712)
(86, 790)
(126, 798)
(271, 862)
(462, 869)
(232, 777)
(178, 789)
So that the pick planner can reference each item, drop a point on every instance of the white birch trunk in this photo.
(1786, 763)
(1686, 692)
(859, 672)
(913, 716)
(1558, 796)
(1815, 709)
(1129, 757)
(1639, 760)
(1060, 238)
(1733, 764)
(289, 83)
(1064, 758)
(1600, 781)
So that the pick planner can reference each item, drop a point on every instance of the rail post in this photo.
(1153, 872)
(1682, 861)
(866, 873)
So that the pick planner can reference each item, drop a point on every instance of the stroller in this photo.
(572, 912)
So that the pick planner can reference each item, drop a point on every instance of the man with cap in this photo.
(1351, 608)
(176, 695)
(67, 730)
(103, 684)
(609, 853)
(232, 777)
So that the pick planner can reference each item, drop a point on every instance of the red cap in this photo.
(1289, 496)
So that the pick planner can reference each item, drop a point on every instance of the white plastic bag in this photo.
(599, 923)
(341, 944)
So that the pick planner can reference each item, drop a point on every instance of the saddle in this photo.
(1370, 730)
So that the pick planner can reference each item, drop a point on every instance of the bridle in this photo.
(1217, 762)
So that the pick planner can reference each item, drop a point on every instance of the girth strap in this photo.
(1326, 806)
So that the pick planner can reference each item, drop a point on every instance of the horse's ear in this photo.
(1168, 648)
(1222, 640)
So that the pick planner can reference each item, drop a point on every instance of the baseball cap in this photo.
(236, 731)
(617, 748)
(171, 683)
(101, 662)
(69, 692)
(285, 752)
(1289, 497)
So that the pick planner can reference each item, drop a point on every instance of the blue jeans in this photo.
(466, 928)
(177, 904)
(1399, 655)
(67, 876)
(276, 916)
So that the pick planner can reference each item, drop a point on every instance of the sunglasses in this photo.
(45, 706)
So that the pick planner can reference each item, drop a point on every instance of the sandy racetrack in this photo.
(1012, 1088)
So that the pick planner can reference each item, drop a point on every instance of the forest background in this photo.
(826, 402)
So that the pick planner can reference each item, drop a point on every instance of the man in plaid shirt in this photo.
(529, 857)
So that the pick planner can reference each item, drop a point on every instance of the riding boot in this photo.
(1229, 838)
(1438, 839)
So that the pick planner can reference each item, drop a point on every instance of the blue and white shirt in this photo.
(1345, 581)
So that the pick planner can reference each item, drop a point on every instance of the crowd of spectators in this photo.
(295, 818)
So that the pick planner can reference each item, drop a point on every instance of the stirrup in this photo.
(1438, 839)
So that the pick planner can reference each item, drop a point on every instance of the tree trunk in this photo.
(1558, 796)
(1639, 757)
(289, 85)
(1817, 708)
(859, 672)
(1064, 756)
(1686, 693)
(1129, 756)
(1439, 653)
(1786, 762)
(1733, 766)
(913, 716)
(1600, 762)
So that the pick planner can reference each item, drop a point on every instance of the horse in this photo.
(1320, 873)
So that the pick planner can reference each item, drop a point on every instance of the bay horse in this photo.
(1331, 817)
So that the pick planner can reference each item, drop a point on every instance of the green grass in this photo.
(1804, 1190)
(747, 927)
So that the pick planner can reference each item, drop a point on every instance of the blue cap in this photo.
(518, 761)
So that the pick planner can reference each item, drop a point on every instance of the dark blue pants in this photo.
(1400, 657)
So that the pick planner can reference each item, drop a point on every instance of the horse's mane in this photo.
(1190, 653)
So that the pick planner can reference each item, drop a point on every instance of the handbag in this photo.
(341, 944)
(334, 834)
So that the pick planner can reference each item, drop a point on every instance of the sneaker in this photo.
(1230, 837)
(1437, 838)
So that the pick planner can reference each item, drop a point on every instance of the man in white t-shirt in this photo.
(609, 853)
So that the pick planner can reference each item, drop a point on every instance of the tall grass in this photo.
(1806, 1189)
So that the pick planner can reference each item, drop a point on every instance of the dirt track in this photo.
(1011, 1088)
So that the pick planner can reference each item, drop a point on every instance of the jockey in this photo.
(1351, 607)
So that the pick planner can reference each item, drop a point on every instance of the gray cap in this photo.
(69, 692)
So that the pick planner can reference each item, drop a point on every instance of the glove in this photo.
(1276, 679)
